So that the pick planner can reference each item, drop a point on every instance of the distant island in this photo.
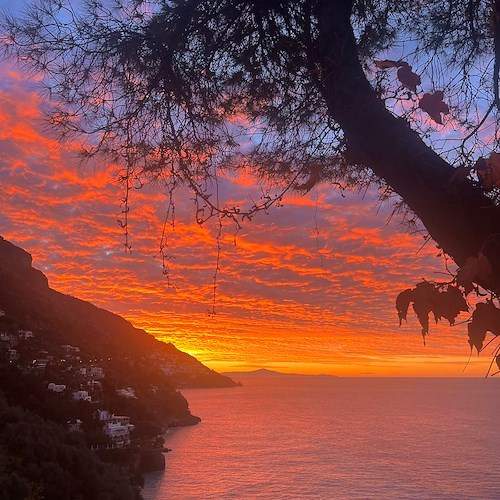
(264, 372)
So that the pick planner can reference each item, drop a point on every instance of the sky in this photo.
(308, 287)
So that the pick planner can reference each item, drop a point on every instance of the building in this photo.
(82, 396)
(128, 392)
(74, 425)
(70, 349)
(96, 372)
(56, 387)
(39, 364)
(8, 339)
(25, 334)
(167, 369)
(118, 429)
(104, 415)
(12, 355)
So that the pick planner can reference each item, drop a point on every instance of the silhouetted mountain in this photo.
(76, 378)
(28, 303)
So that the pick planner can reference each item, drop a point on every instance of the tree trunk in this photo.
(457, 214)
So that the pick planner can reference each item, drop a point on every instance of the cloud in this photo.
(310, 285)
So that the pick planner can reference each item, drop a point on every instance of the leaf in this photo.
(488, 171)
(449, 304)
(402, 303)
(386, 64)
(475, 269)
(315, 172)
(425, 297)
(405, 74)
(408, 78)
(433, 105)
(484, 268)
(486, 318)
(476, 336)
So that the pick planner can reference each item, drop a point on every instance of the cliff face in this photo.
(19, 261)
(74, 371)
(29, 304)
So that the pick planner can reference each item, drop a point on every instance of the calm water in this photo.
(279, 438)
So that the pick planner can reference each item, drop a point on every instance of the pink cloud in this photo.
(311, 284)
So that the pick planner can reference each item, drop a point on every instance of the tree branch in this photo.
(458, 215)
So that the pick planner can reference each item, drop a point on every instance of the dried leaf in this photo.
(449, 304)
(408, 78)
(425, 297)
(476, 336)
(484, 268)
(402, 303)
(475, 269)
(386, 64)
(433, 105)
(486, 318)
(315, 172)
(488, 171)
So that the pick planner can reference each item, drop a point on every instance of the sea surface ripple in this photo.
(324, 438)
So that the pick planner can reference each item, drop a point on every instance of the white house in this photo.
(96, 372)
(25, 334)
(104, 415)
(56, 387)
(122, 420)
(118, 429)
(74, 425)
(128, 392)
(82, 396)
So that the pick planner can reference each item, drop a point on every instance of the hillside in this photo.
(84, 386)
(27, 303)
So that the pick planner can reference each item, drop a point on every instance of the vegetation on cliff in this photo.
(40, 460)
(75, 378)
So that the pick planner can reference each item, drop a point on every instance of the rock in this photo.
(152, 461)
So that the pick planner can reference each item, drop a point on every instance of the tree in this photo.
(298, 92)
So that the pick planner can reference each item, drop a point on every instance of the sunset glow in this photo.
(308, 287)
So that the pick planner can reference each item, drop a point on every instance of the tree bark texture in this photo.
(457, 214)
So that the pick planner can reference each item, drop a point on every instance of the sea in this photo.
(300, 437)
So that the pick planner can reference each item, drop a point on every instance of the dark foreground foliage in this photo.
(41, 460)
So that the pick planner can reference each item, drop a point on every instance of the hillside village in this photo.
(82, 380)
(66, 371)
(86, 368)
(82, 391)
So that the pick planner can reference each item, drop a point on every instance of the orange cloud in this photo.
(308, 287)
